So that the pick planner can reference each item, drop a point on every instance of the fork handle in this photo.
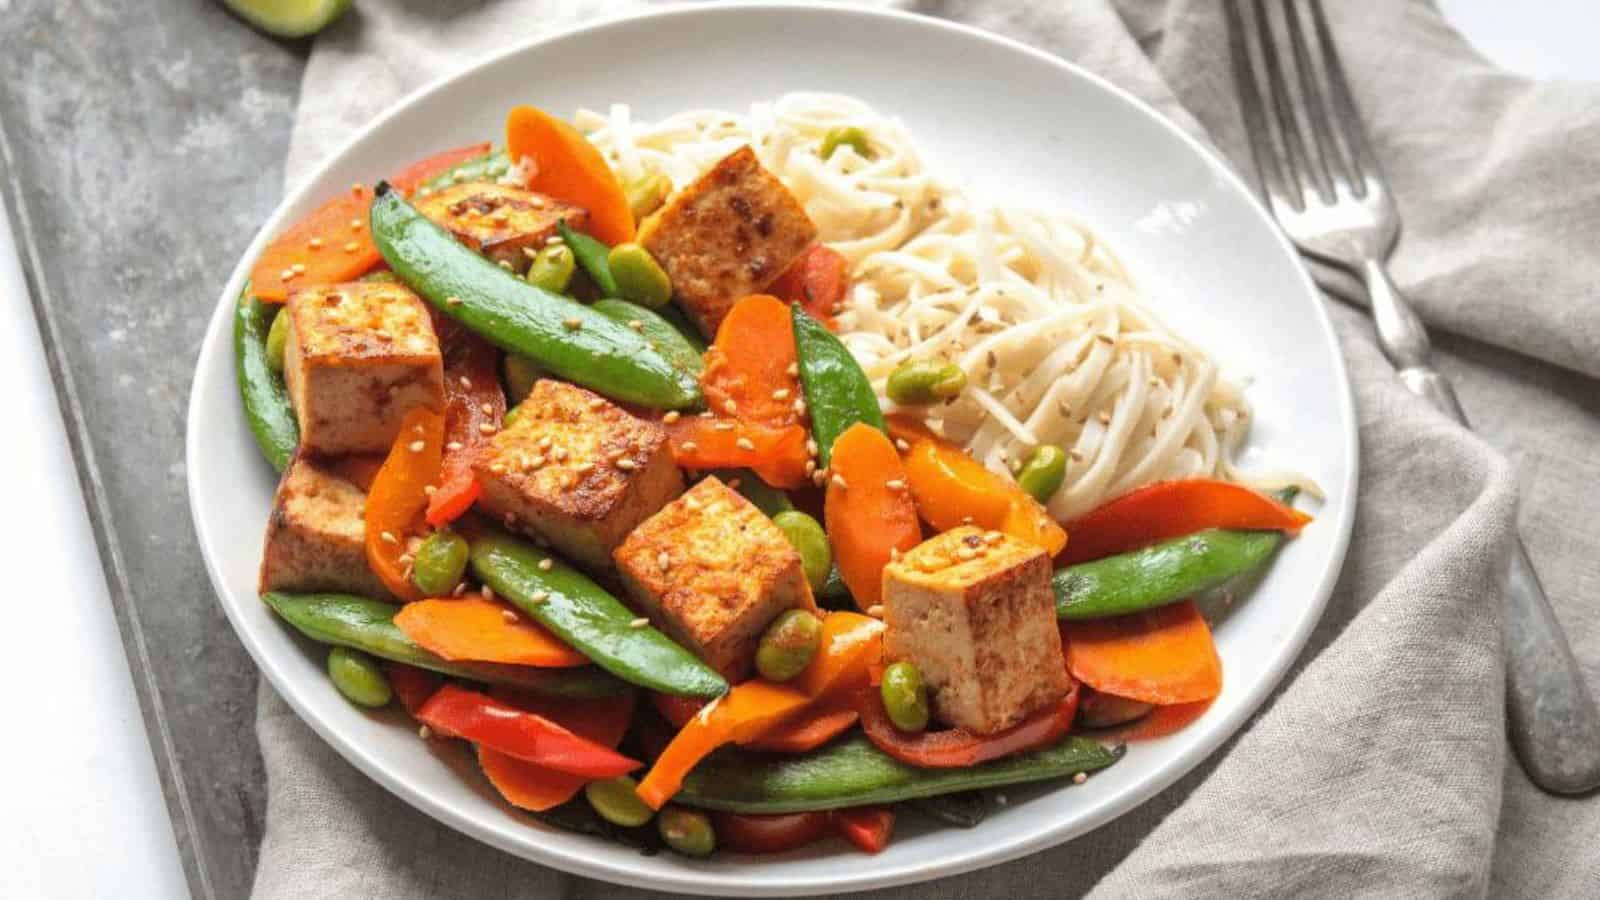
(1552, 720)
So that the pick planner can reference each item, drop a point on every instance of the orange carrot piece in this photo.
(564, 165)
(818, 281)
(908, 429)
(477, 630)
(396, 501)
(1160, 722)
(411, 177)
(1162, 656)
(866, 519)
(1169, 509)
(778, 455)
(951, 487)
(330, 245)
(528, 786)
(751, 369)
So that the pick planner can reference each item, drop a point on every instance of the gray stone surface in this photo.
(141, 145)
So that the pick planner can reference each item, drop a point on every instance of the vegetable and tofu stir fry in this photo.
(700, 595)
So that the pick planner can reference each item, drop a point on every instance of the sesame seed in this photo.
(355, 224)
(1075, 455)
(487, 409)
(966, 520)
(1104, 417)
(552, 240)
(780, 394)
(811, 467)
(530, 253)
(454, 301)
(994, 537)
(465, 381)
(671, 417)
(1001, 799)
(509, 615)
(819, 477)
(486, 592)
(539, 596)
(799, 406)
(504, 264)
(839, 482)
(383, 335)
(1080, 778)
(597, 403)
(315, 243)
(724, 426)
(875, 610)
(546, 564)
(460, 589)
(733, 483)
(966, 553)
(708, 414)
(745, 443)
(453, 445)
(510, 519)
(894, 553)
(407, 558)
(664, 560)
(559, 454)
(1105, 339)
(388, 537)
(901, 445)
(691, 504)
(585, 468)
(535, 462)
(730, 407)
(497, 468)
(895, 484)
(352, 247)
(429, 490)
(286, 274)
(689, 446)
(793, 371)
(299, 268)
(487, 428)
(573, 323)
(640, 622)
(636, 325)
(417, 446)
(626, 464)
(357, 188)
(424, 732)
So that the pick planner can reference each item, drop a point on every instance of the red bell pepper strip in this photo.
(818, 281)
(528, 786)
(957, 747)
(412, 685)
(472, 399)
(867, 827)
(397, 499)
(748, 833)
(457, 712)
(1170, 509)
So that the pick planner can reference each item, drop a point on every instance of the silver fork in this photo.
(1328, 194)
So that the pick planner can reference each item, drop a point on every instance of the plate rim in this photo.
(711, 882)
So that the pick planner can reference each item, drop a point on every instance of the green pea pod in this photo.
(266, 399)
(657, 331)
(359, 623)
(560, 335)
(584, 615)
(593, 258)
(675, 316)
(852, 772)
(487, 167)
(838, 393)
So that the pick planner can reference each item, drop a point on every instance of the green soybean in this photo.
(261, 390)
(905, 697)
(278, 340)
(358, 677)
(846, 136)
(1042, 472)
(788, 645)
(921, 382)
(687, 831)
(616, 801)
(638, 276)
(440, 564)
(552, 268)
(811, 542)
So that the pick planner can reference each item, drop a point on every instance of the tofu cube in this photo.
(499, 220)
(316, 536)
(974, 611)
(712, 571)
(728, 235)
(360, 356)
(577, 470)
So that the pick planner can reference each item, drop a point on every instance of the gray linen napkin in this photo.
(1380, 767)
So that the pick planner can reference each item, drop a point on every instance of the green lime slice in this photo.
(289, 18)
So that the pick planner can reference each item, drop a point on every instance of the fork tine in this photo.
(1364, 165)
(1328, 146)
(1304, 169)
(1268, 166)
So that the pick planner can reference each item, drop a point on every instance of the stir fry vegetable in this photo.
(261, 389)
(837, 392)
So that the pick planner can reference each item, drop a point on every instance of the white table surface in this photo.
(83, 813)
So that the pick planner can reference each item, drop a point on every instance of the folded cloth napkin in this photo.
(1380, 767)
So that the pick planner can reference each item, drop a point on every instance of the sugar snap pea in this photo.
(593, 258)
(838, 393)
(657, 331)
(265, 398)
(487, 167)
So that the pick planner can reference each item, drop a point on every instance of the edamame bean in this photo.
(846, 136)
(646, 194)
(811, 542)
(440, 563)
(278, 340)
(519, 373)
(905, 697)
(639, 277)
(687, 831)
(920, 382)
(358, 677)
(615, 800)
(788, 645)
(552, 268)
(1042, 472)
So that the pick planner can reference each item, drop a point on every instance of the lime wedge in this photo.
(289, 18)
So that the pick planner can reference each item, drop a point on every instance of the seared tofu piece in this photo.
(360, 356)
(712, 571)
(315, 535)
(499, 220)
(973, 610)
(578, 471)
(729, 234)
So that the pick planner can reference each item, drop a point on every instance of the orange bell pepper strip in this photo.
(524, 785)
(1170, 509)
(477, 630)
(777, 455)
(397, 499)
(956, 748)
(817, 281)
(564, 165)
(1162, 656)
(751, 370)
(472, 399)
(866, 827)
(806, 732)
(868, 513)
(484, 720)
(951, 487)
(850, 643)
(407, 180)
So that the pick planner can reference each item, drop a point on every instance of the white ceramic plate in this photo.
(1015, 125)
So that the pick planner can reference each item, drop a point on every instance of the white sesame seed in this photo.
(487, 409)
(691, 504)
(465, 382)
(780, 394)
(690, 446)
(539, 596)
(509, 615)
(671, 417)
(966, 553)
(724, 426)
(636, 325)
(552, 240)
(597, 403)
(417, 446)
(453, 445)
(626, 464)
(429, 490)
(811, 467)
(584, 468)
(497, 468)
(487, 428)
(839, 482)
(460, 589)
(355, 224)
(1080, 778)
(664, 560)
(799, 406)
(901, 445)
(730, 407)
(793, 371)
(895, 484)
(504, 264)
(811, 447)
(486, 592)
(454, 301)
(388, 537)
(546, 564)
(286, 274)
(745, 443)
(299, 268)
(424, 732)
(1001, 799)
(640, 622)
(875, 610)
(573, 323)
(315, 243)
(530, 253)
(733, 483)
(352, 247)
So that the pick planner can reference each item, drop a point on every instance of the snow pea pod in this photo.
(488, 167)
(593, 257)
(266, 399)
(852, 772)
(838, 393)
(657, 331)
(345, 620)
(560, 335)
(584, 615)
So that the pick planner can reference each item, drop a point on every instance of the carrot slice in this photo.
(475, 629)
(330, 245)
(1162, 656)
(472, 399)
(411, 177)
(866, 519)
(564, 165)
(817, 281)
(1170, 509)
(907, 429)
(951, 488)
(777, 455)
(527, 786)
(397, 499)
(1160, 722)
(751, 370)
